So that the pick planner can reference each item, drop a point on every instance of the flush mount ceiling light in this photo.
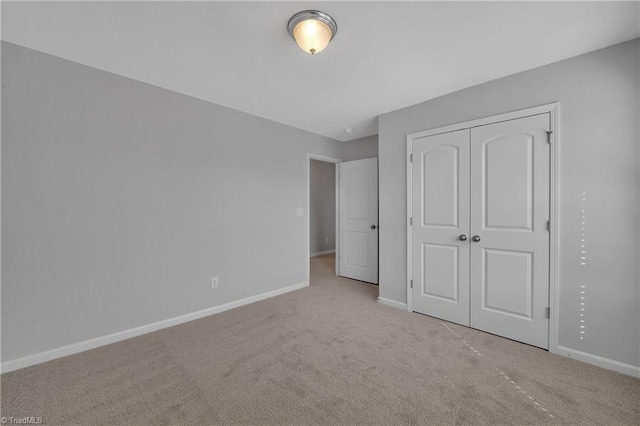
(312, 30)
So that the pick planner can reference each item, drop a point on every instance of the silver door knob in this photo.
(462, 237)
(373, 227)
(475, 238)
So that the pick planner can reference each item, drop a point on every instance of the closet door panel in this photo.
(509, 213)
(440, 200)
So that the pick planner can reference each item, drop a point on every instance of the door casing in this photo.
(553, 110)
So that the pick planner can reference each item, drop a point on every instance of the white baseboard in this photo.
(620, 367)
(75, 348)
(322, 253)
(392, 303)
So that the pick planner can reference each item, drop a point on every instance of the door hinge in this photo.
(411, 221)
(411, 158)
(548, 312)
(549, 136)
(411, 283)
(549, 225)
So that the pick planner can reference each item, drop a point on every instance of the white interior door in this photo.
(359, 219)
(480, 237)
(440, 216)
(509, 216)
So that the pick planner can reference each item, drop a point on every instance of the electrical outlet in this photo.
(326, 241)
(214, 282)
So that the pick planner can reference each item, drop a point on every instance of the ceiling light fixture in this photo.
(312, 30)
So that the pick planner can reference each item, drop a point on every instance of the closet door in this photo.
(440, 215)
(510, 239)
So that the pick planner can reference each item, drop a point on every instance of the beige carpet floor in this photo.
(326, 354)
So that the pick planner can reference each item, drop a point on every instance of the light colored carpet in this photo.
(327, 354)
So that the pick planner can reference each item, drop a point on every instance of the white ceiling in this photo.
(386, 55)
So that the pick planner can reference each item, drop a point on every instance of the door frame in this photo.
(335, 161)
(554, 288)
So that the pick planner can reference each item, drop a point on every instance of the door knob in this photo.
(373, 227)
(476, 238)
(462, 237)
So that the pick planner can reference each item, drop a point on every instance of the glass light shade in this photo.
(312, 30)
(312, 36)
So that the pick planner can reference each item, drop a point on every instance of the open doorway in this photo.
(322, 207)
(342, 206)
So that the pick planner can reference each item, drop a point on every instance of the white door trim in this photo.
(554, 287)
(326, 159)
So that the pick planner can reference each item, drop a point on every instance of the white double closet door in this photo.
(480, 239)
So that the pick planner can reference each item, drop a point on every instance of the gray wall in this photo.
(599, 140)
(121, 200)
(358, 149)
(322, 206)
